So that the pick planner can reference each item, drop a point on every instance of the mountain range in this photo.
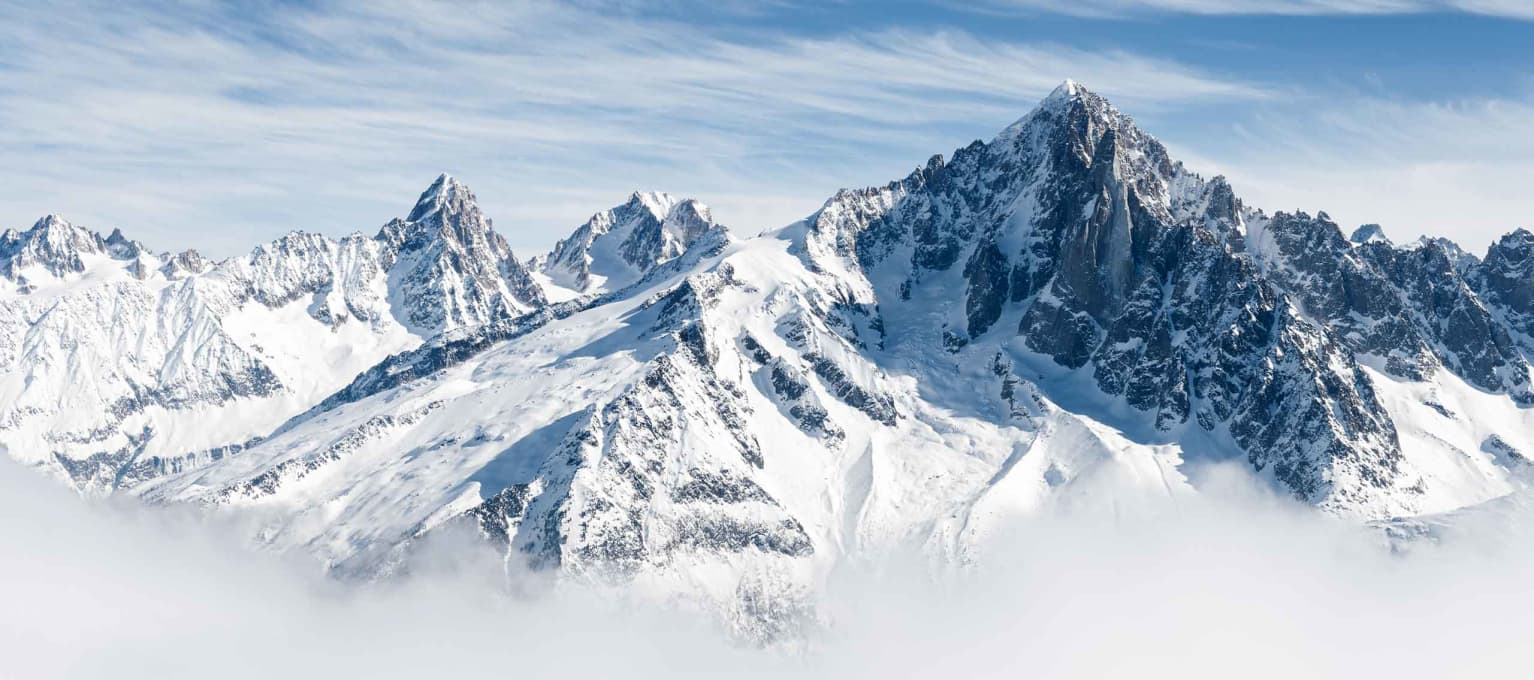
(1061, 317)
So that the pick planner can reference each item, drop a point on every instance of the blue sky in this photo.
(217, 126)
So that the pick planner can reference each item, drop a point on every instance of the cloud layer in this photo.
(1237, 582)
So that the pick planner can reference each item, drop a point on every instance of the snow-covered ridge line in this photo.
(617, 246)
(1063, 317)
(450, 349)
(111, 353)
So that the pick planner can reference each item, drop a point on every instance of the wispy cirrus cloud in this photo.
(215, 125)
(1519, 9)
(1455, 168)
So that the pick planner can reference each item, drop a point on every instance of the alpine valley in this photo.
(1063, 317)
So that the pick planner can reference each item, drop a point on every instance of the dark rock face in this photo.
(1505, 281)
(1342, 287)
(1321, 430)
(791, 387)
(145, 468)
(877, 406)
(500, 514)
(988, 274)
(1467, 338)
(720, 487)
(1114, 259)
(1410, 308)
(658, 238)
(1506, 454)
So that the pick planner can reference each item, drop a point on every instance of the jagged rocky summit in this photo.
(617, 246)
(1063, 317)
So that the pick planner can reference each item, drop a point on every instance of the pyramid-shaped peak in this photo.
(1067, 89)
(446, 210)
(1071, 91)
(444, 180)
(52, 243)
(1069, 101)
(445, 192)
(56, 232)
(453, 269)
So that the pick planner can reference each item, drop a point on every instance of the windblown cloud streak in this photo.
(219, 126)
(234, 125)
(1116, 8)
(1454, 168)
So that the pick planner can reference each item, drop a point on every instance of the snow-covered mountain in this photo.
(119, 364)
(1062, 317)
(449, 269)
(617, 246)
